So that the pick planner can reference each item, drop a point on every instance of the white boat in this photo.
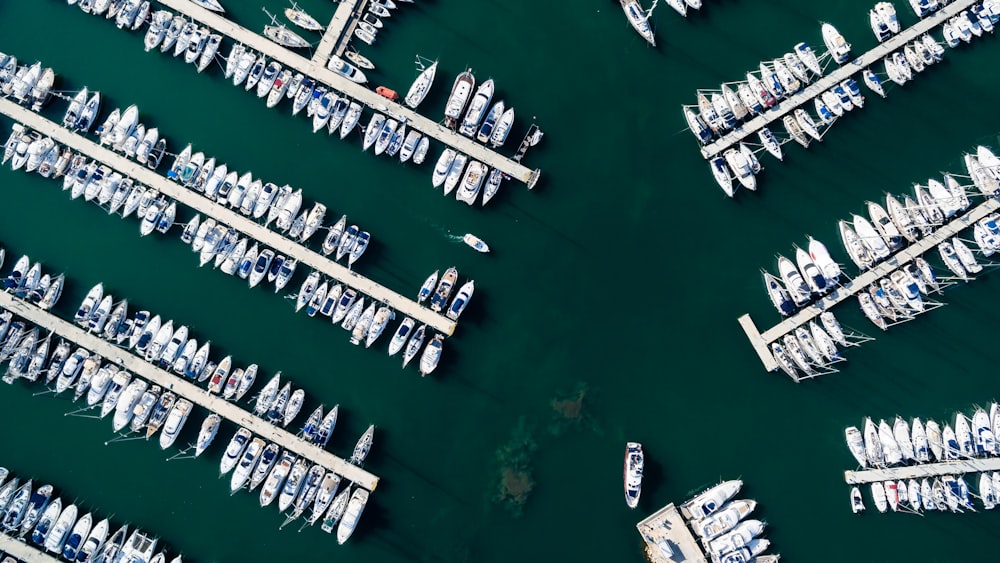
(284, 36)
(175, 421)
(632, 474)
(639, 19)
(207, 433)
(472, 181)
(870, 238)
(855, 443)
(346, 69)
(302, 19)
(443, 167)
(770, 143)
(210, 5)
(720, 170)
(461, 300)
(477, 109)
(794, 282)
(724, 520)
(432, 355)
(246, 464)
(460, 93)
(234, 450)
(401, 335)
(352, 514)
(839, 48)
(709, 502)
(814, 277)
(821, 257)
(421, 86)
(879, 497)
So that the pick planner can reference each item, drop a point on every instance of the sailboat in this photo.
(421, 85)
(639, 19)
(284, 36)
(300, 18)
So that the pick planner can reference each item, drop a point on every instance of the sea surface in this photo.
(606, 312)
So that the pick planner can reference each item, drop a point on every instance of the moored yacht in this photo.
(460, 94)
(638, 19)
(839, 48)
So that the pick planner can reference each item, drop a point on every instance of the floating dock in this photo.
(335, 38)
(226, 216)
(761, 341)
(668, 538)
(183, 388)
(24, 552)
(318, 71)
(828, 81)
(921, 470)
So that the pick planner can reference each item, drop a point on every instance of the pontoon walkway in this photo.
(187, 390)
(921, 470)
(762, 341)
(318, 70)
(340, 30)
(836, 77)
(226, 216)
(24, 552)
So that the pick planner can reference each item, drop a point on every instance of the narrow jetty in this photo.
(340, 30)
(921, 470)
(187, 390)
(761, 341)
(224, 215)
(24, 552)
(317, 70)
(828, 81)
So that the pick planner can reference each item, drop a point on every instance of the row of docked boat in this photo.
(816, 275)
(183, 38)
(484, 123)
(94, 181)
(882, 445)
(28, 282)
(717, 113)
(146, 409)
(50, 524)
(370, 23)
(719, 521)
(121, 130)
(971, 23)
(301, 489)
(455, 170)
(948, 492)
(29, 85)
(914, 57)
(810, 349)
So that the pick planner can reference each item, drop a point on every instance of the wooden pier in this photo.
(828, 81)
(338, 33)
(921, 470)
(184, 388)
(317, 70)
(226, 216)
(761, 341)
(24, 552)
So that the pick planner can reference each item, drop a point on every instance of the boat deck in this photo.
(317, 70)
(24, 552)
(184, 388)
(340, 30)
(826, 82)
(224, 215)
(922, 470)
(667, 526)
(761, 341)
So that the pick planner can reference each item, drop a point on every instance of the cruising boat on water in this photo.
(421, 86)
(633, 473)
(839, 48)
(638, 19)
(460, 93)
(720, 170)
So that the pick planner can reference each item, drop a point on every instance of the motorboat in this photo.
(794, 130)
(477, 109)
(890, 449)
(725, 520)
(814, 277)
(870, 238)
(807, 124)
(796, 285)
(710, 501)
(741, 168)
(414, 344)
(432, 355)
(234, 450)
(472, 181)
(460, 93)
(346, 69)
(633, 473)
(839, 48)
(966, 256)
(879, 27)
(455, 173)
(349, 521)
(821, 257)
(886, 227)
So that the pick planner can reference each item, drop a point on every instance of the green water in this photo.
(619, 277)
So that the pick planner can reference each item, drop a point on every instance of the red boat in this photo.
(387, 92)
